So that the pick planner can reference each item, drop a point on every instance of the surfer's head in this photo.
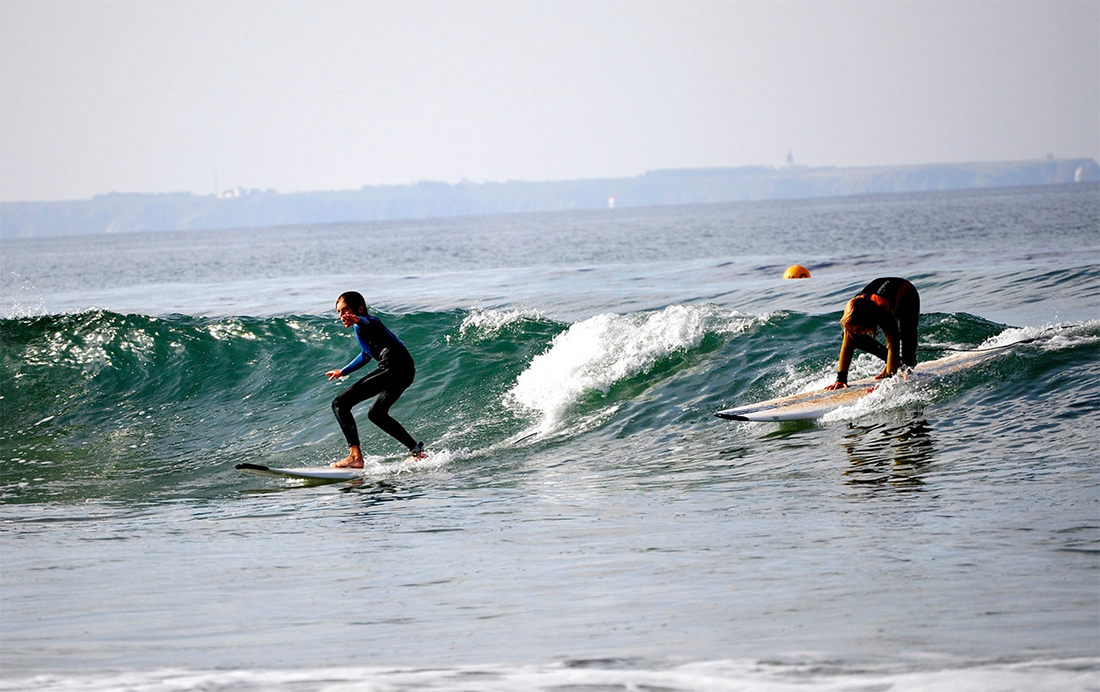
(860, 316)
(351, 304)
(354, 300)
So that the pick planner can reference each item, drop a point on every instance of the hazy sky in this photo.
(159, 95)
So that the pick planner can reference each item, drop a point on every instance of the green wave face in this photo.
(107, 407)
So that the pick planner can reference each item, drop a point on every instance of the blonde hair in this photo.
(859, 312)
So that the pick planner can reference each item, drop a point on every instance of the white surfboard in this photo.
(324, 473)
(815, 404)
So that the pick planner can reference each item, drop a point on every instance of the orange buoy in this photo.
(796, 271)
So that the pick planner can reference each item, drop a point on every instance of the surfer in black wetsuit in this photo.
(892, 305)
(393, 376)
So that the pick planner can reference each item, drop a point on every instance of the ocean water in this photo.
(583, 522)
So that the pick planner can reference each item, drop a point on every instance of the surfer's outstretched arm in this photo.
(847, 347)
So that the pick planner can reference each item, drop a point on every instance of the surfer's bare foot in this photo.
(349, 463)
(354, 460)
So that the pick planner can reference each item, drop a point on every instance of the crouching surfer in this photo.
(394, 374)
(892, 305)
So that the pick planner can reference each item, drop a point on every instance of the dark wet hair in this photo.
(355, 301)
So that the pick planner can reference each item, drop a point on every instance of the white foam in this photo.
(892, 393)
(1065, 675)
(490, 322)
(797, 381)
(595, 353)
(1049, 336)
(374, 466)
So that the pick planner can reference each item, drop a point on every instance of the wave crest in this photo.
(489, 323)
(595, 353)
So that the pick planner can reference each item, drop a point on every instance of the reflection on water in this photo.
(894, 455)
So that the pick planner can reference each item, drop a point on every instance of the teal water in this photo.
(583, 521)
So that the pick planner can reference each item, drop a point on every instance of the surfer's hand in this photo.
(333, 374)
(836, 385)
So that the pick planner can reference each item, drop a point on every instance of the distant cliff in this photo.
(119, 213)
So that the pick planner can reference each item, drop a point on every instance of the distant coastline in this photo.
(131, 212)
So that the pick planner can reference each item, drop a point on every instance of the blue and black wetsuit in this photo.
(393, 376)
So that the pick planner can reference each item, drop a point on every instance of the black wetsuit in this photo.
(393, 376)
(899, 317)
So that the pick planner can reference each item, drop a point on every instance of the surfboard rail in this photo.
(325, 473)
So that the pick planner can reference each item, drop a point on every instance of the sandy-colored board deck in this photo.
(814, 405)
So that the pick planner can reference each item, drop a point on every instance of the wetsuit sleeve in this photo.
(364, 356)
(358, 362)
